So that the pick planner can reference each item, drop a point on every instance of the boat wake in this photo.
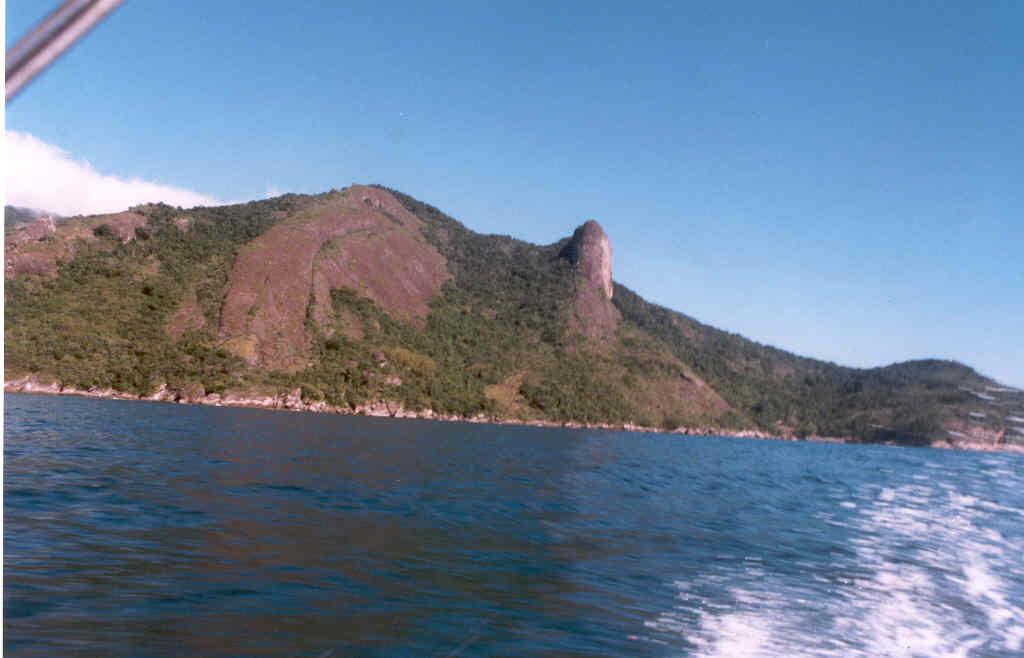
(929, 575)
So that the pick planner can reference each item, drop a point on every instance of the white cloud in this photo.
(43, 176)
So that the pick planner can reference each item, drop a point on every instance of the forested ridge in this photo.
(136, 306)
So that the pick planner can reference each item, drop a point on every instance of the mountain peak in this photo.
(590, 251)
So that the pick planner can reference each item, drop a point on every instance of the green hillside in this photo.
(138, 301)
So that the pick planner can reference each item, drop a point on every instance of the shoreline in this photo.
(386, 409)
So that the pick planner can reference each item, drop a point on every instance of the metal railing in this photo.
(50, 39)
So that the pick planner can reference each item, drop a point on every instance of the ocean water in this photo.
(139, 529)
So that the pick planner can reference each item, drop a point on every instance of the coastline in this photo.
(292, 401)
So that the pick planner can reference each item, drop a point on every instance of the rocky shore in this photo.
(292, 401)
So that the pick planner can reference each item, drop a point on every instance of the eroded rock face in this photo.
(123, 224)
(591, 252)
(37, 230)
(361, 239)
(27, 250)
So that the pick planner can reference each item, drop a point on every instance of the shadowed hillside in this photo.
(366, 295)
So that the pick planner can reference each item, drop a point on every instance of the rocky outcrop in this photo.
(33, 249)
(963, 432)
(40, 229)
(361, 239)
(39, 247)
(590, 252)
(31, 384)
(293, 401)
(123, 225)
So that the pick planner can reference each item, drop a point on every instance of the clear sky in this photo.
(844, 180)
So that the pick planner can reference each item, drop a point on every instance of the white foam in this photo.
(735, 635)
(929, 578)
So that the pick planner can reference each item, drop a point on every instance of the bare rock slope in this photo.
(590, 252)
(361, 239)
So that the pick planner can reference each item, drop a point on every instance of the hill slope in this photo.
(366, 295)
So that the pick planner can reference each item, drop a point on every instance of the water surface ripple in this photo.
(136, 529)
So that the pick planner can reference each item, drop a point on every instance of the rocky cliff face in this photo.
(360, 239)
(590, 252)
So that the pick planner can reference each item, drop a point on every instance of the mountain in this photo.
(364, 297)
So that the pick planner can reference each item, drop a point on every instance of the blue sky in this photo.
(846, 182)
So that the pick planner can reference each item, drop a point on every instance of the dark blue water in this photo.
(136, 529)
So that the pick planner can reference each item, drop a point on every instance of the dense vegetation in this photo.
(101, 321)
(496, 341)
(777, 389)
